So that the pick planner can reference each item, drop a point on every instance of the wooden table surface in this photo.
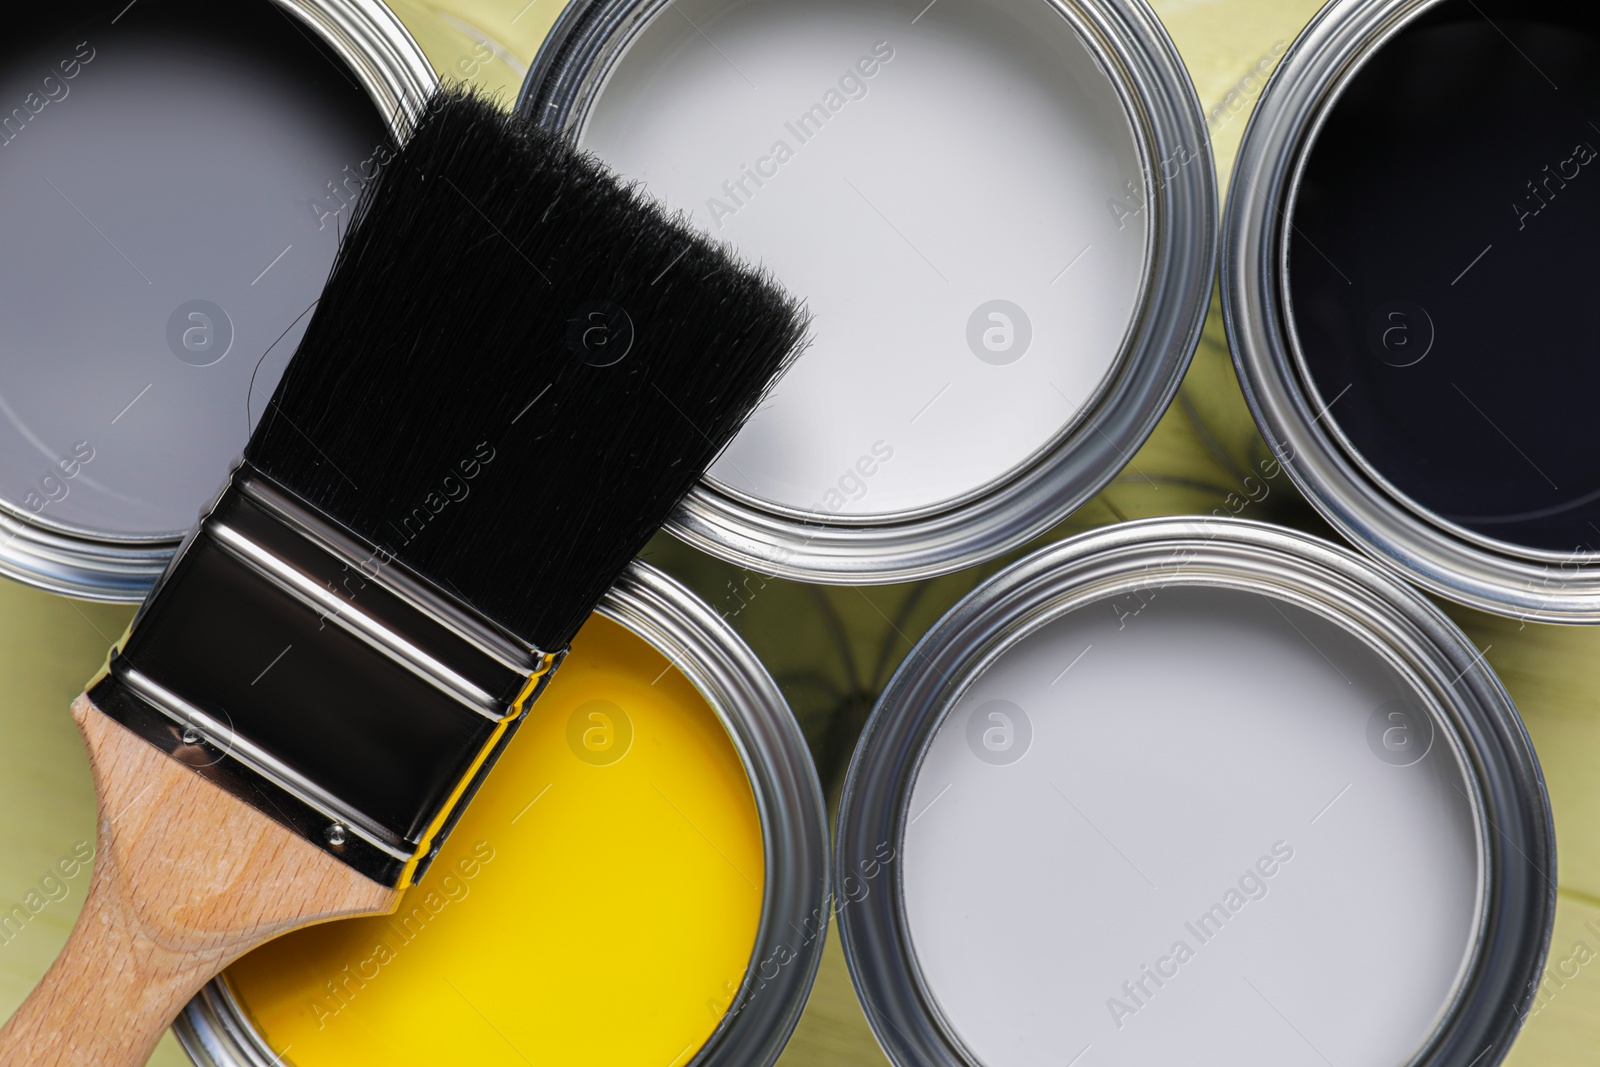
(832, 649)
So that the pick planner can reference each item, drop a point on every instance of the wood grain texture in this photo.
(187, 878)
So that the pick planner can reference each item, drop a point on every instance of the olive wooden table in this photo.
(832, 649)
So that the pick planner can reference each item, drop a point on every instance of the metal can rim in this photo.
(215, 1028)
(121, 569)
(1440, 556)
(1511, 808)
(1162, 106)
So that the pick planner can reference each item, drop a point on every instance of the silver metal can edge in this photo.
(1511, 807)
(215, 1028)
(1135, 51)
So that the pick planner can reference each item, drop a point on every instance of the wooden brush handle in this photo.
(187, 878)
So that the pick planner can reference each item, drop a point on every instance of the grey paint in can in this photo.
(173, 180)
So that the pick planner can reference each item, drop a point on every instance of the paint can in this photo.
(617, 916)
(1424, 372)
(1191, 789)
(1002, 214)
(173, 179)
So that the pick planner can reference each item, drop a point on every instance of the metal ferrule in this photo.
(315, 677)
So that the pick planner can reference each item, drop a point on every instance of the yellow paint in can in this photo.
(598, 903)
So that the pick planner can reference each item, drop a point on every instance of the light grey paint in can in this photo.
(1188, 790)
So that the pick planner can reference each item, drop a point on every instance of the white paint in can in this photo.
(957, 193)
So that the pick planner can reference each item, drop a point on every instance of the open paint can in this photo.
(174, 177)
(643, 880)
(1409, 275)
(1000, 212)
(1188, 790)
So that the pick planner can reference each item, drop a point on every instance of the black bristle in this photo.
(446, 404)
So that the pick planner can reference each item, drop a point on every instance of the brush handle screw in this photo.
(336, 834)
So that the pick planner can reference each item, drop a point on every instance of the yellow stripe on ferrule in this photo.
(425, 845)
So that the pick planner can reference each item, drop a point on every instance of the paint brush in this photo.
(518, 367)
